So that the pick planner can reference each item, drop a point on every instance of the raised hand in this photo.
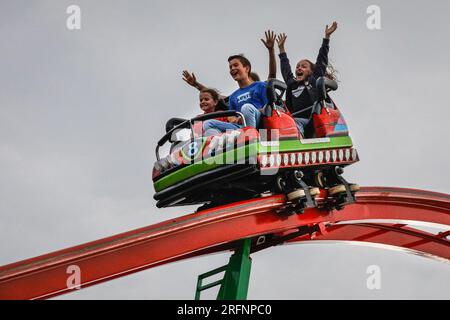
(281, 39)
(330, 30)
(189, 78)
(270, 39)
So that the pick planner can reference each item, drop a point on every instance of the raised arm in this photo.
(192, 80)
(269, 43)
(322, 57)
(286, 71)
(329, 31)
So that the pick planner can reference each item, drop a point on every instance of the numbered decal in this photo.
(193, 149)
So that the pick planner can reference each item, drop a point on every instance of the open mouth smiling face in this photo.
(237, 70)
(234, 73)
(303, 70)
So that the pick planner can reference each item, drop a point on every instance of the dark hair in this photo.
(221, 105)
(213, 92)
(245, 62)
(254, 76)
(330, 72)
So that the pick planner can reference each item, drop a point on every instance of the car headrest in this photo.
(272, 86)
(324, 85)
(171, 123)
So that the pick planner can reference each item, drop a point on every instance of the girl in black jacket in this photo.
(301, 93)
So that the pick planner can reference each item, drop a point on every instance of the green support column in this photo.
(237, 276)
(234, 285)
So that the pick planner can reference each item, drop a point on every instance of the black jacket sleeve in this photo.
(322, 59)
(286, 69)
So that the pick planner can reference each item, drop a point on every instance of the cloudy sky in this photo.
(81, 111)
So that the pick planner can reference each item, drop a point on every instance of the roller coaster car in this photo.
(247, 163)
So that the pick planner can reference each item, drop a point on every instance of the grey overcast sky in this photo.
(81, 111)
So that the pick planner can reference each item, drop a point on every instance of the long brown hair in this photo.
(330, 73)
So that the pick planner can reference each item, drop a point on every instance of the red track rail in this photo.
(397, 235)
(215, 229)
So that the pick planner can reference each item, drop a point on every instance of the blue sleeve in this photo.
(263, 93)
(231, 102)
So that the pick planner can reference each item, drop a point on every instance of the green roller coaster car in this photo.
(248, 162)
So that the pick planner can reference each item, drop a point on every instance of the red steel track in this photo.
(216, 229)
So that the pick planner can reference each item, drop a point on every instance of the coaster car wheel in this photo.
(314, 191)
(336, 190)
(280, 184)
(296, 194)
(319, 179)
(354, 187)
